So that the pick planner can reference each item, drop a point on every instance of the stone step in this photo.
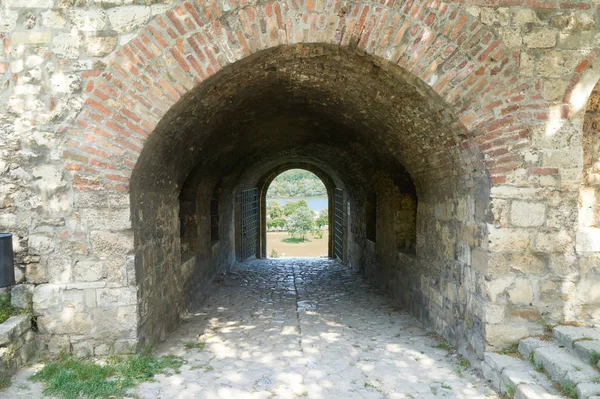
(566, 368)
(517, 377)
(585, 341)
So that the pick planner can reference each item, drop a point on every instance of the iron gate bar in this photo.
(338, 225)
(249, 205)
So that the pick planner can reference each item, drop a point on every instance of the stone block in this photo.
(541, 38)
(588, 390)
(521, 292)
(89, 271)
(88, 20)
(59, 269)
(53, 19)
(66, 45)
(12, 328)
(8, 20)
(528, 264)
(588, 240)
(46, 298)
(528, 391)
(65, 83)
(29, 4)
(501, 334)
(558, 63)
(527, 345)
(585, 348)
(527, 214)
(567, 335)
(552, 242)
(108, 297)
(508, 239)
(30, 37)
(21, 295)
(39, 244)
(105, 244)
(99, 46)
(105, 219)
(127, 18)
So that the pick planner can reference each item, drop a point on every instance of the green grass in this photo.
(294, 240)
(569, 390)
(69, 377)
(510, 391)
(594, 357)
(6, 309)
(511, 350)
(198, 345)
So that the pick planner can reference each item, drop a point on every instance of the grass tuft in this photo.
(69, 377)
(7, 309)
(569, 390)
(511, 350)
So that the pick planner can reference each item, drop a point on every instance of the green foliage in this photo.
(274, 210)
(291, 207)
(318, 234)
(300, 222)
(274, 253)
(6, 309)
(296, 183)
(323, 218)
(594, 357)
(69, 377)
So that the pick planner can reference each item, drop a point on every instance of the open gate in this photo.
(249, 223)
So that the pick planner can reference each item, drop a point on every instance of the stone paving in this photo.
(306, 328)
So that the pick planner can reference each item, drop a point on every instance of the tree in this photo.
(323, 219)
(291, 207)
(300, 222)
(274, 210)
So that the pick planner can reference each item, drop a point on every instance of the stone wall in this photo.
(460, 97)
(17, 345)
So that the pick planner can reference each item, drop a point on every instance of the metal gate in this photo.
(249, 206)
(338, 225)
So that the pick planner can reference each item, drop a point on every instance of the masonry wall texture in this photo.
(475, 124)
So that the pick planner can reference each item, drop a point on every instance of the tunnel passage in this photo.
(413, 191)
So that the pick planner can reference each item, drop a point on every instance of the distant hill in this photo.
(296, 183)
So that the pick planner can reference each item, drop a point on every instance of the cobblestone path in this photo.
(295, 328)
(306, 328)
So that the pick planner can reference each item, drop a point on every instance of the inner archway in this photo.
(296, 215)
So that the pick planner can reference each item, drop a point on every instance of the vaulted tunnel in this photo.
(413, 190)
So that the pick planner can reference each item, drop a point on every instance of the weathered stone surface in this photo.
(568, 335)
(99, 46)
(8, 20)
(527, 214)
(13, 328)
(89, 271)
(128, 18)
(105, 219)
(21, 295)
(105, 243)
(88, 20)
(508, 239)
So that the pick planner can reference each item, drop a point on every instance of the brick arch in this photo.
(439, 49)
(436, 42)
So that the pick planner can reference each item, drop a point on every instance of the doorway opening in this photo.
(297, 215)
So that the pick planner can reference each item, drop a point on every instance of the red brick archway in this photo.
(437, 42)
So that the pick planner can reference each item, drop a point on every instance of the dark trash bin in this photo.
(7, 262)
